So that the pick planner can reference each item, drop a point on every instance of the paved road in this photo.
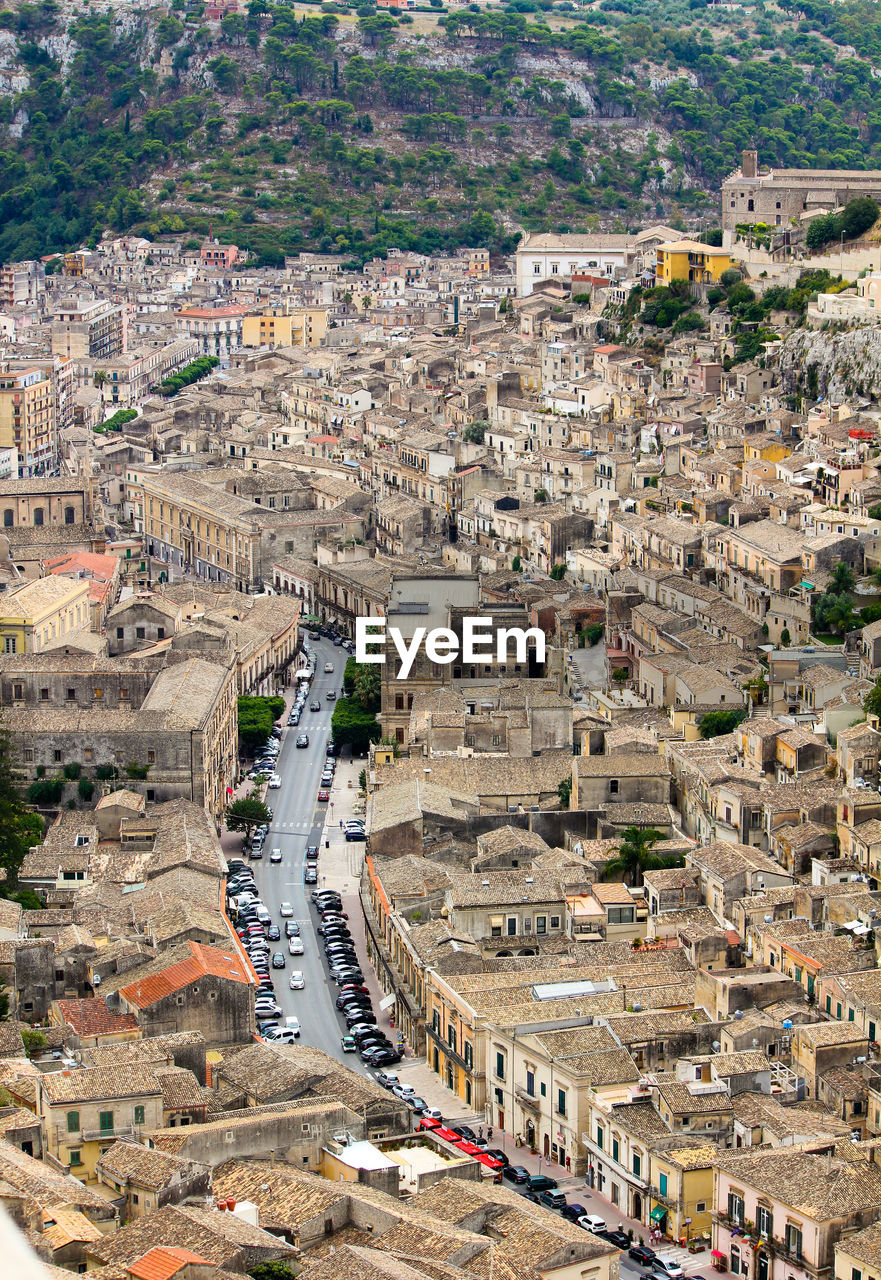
(298, 820)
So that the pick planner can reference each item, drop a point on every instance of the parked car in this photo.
(573, 1212)
(356, 833)
(387, 1079)
(516, 1173)
(495, 1152)
(275, 782)
(541, 1182)
(620, 1239)
(667, 1267)
(347, 1044)
(465, 1132)
(323, 796)
(552, 1199)
(311, 852)
(642, 1254)
(592, 1222)
(310, 876)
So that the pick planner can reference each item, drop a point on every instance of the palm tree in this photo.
(634, 856)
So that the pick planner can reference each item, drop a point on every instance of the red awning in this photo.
(447, 1134)
(714, 1253)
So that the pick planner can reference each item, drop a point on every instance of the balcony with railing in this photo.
(527, 1099)
(110, 1135)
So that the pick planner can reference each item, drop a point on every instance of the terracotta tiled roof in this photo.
(204, 962)
(161, 1263)
(91, 1017)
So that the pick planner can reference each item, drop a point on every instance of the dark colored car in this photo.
(314, 705)
(273, 933)
(541, 1182)
(311, 852)
(310, 876)
(552, 1199)
(302, 739)
(618, 1238)
(330, 749)
(573, 1212)
(497, 1155)
(278, 960)
(642, 1254)
(516, 1173)
(291, 929)
(465, 1132)
(380, 1057)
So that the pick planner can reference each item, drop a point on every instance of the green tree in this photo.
(634, 856)
(366, 686)
(256, 718)
(352, 726)
(843, 579)
(34, 1041)
(273, 1270)
(558, 572)
(474, 432)
(716, 723)
(564, 791)
(785, 638)
(20, 827)
(246, 813)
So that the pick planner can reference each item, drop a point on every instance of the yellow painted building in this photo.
(859, 1256)
(682, 1191)
(41, 612)
(27, 415)
(304, 327)
(82, 1113)
(765, 450)
(690, 260)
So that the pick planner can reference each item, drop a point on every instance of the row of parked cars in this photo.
(363, 1036)
(257, 931)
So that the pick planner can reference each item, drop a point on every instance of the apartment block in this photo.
(89, 327)
(27, 417)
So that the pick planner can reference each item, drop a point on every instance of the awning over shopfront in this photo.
(658, 1213)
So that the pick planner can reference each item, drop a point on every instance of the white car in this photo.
(592, 1222)
(295, 946)
(285, 910)
(297, 982)
(275, 782)
(665, 1265)
(328, 668)
(282, 1035)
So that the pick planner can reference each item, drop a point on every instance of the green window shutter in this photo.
(105, 1121)
(73, 1122)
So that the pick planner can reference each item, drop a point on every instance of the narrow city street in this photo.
(299, 819)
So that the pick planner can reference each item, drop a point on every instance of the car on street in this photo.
(273, 933)
(323, 797)
(642, 1254)
(275, 782)
(297, 982)
(314, 705)
(285, 911)
(541, 1182)
(256, 851)
(552, 1199)
(466, 1132)
(356, 833)
(495, 1152)
(381, 1057)
(265, 1006)
(275, 856)
(387, 1079)
(311, 852)
(281, 1035)
(417, 1104)
(302, 740)
(328, 668)
(666, 1266)
(592, 1222)
(347, 1044)
(310, 876)
(401, 1090)
(573, 1212)
(295, 946)
(291, 928)
(620, 1239)
(516, 1173)
(330, 695)
(278, 960)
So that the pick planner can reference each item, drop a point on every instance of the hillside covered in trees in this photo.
(330, 127)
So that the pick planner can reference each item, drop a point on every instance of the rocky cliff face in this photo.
(840, 364)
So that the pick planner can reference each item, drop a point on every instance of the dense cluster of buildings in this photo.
(429, 440)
